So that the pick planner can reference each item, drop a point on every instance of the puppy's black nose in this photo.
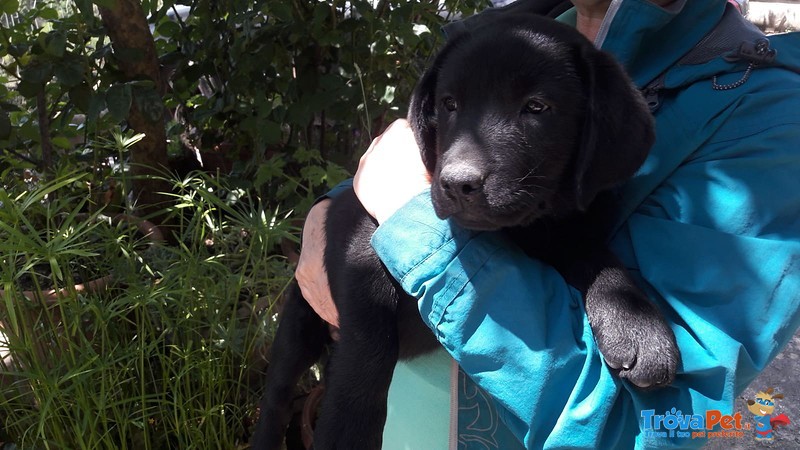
(461, 181)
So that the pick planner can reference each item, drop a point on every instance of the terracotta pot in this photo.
(148, 230)
(309, 416)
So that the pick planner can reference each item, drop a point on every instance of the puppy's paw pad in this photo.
(619, 354)
(655, 368)
(645, 355)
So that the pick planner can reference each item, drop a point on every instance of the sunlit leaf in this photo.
(56, 43)
(9, 6)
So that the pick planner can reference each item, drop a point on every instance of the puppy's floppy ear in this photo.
(618, 129)
(422, 109)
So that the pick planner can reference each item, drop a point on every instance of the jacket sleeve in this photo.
(336, 190)
(716, 246)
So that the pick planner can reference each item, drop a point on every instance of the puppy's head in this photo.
(524, 118)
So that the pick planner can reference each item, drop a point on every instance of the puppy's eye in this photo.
(535, 107)
(449, 104)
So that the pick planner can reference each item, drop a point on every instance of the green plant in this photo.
(170, 355)
(294, 91)
(282, 95)
(256, 82)
(57, 78)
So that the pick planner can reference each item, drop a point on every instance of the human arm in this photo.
(410, 177)
(310, 273)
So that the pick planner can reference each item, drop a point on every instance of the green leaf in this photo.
(56, 269)
(271, 132)
(29, 89)
(305, 156)
(86, 9)
(55, 43)
(37, 71)
(17, 50)
(321, 13)
(29, 131)
(9, 6)
(313, 174)
(48, 13)
(168, 29)
(62, 142)
(9, 107)
(96, 104)
(118, 100)
(80, 96)
(285, 191)
(69, 72)
(269, 170)
(282, 11)
(335, 174)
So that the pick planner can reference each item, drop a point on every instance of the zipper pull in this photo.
(756, 52)
(652, 93)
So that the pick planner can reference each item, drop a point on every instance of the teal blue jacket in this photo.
(710, 228)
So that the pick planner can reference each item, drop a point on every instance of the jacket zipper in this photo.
(453, 439)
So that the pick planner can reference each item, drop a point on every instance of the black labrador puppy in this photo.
(525, 127)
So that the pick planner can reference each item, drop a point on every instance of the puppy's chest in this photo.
(561, 243)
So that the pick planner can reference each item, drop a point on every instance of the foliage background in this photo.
(277, 98)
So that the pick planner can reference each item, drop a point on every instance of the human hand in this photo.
(310, 273)
(391, 172)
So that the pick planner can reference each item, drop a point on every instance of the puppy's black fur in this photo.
(525, 127)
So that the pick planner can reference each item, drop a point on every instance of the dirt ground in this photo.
(784, 376)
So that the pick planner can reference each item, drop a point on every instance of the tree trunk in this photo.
(44, 133)
(135, 50)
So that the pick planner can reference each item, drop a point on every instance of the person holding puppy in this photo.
(709, 226)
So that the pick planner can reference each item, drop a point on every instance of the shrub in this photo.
(169, 355)
(279, 97)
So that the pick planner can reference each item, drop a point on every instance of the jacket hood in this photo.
(650, 40)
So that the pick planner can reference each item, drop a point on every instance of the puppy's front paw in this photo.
(635, 340)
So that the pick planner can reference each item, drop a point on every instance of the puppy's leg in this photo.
(298, 344)
(362, 362)
(359, 371)
(631, 333)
